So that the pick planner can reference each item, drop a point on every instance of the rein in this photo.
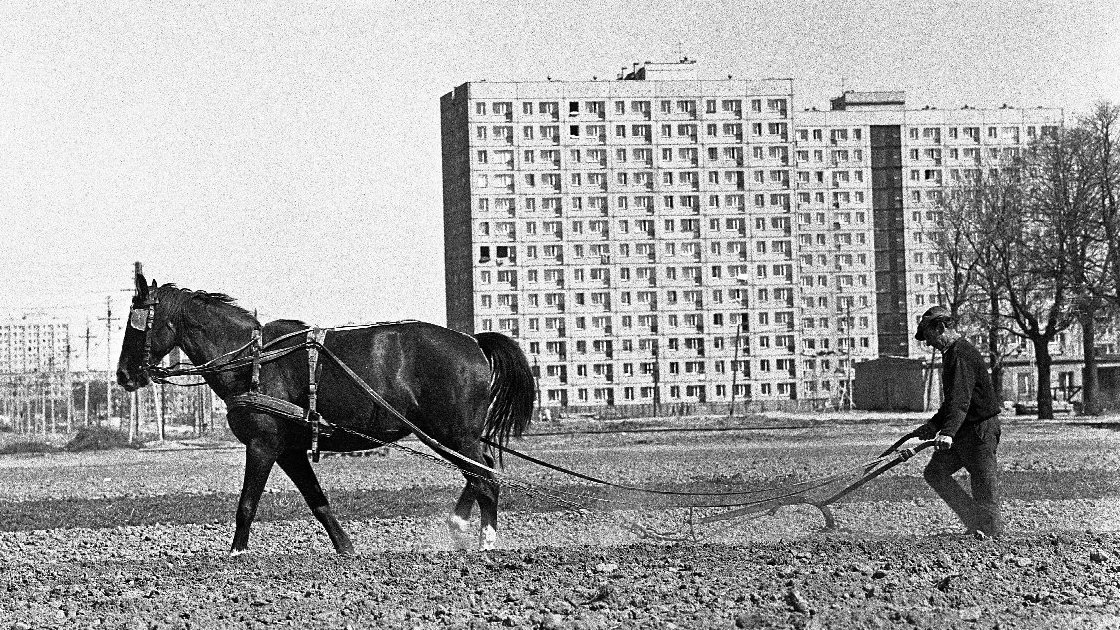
(216, 366)
(314, 342)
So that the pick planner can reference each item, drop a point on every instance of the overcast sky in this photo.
(287, 153)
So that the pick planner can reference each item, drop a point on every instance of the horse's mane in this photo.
(176, 298)
(288, 324)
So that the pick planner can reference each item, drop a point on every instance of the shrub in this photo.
(98, 439)
(27, 446)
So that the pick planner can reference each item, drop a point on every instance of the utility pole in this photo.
(109, 319)
(537, 386)
(42, 385)
(136, 407)
(735, 368)
(68, 386)
(133, 416)
(207, 410)
(739, 282)
(52, 378)
(848, 355)
(160, 401)
(86, 379)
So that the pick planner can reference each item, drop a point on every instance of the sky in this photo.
(288, 153)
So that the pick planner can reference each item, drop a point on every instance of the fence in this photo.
(52, 403)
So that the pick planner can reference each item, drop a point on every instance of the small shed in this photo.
(1108, 381)
(891, 384)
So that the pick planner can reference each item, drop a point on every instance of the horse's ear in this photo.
(142, 286)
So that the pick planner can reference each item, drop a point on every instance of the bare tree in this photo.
(1099, 256)
(1032, 245)
(1037, 261)
(973, 212)
(1102, 128)
(996, 202)
(954, 240)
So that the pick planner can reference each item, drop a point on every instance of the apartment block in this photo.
(33, 345)
(680, 240)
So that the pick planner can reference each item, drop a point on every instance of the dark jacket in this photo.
(967, 394)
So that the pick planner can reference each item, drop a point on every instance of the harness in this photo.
(254, 400)
(142, 316)
(260, 353)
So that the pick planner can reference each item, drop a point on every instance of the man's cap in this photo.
(933, 315)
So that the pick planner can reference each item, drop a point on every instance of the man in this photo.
(965, 429)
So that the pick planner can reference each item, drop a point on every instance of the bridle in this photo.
(141, 317)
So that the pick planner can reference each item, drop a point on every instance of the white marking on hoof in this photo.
(487, 538)
(233, 553)
(458, 529)
(456, 524)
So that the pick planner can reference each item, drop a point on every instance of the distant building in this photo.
(629, 232)
(33, 344)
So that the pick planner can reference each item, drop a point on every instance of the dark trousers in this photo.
(974, 449)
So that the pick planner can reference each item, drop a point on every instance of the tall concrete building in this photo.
(33, 344)
(662, 239)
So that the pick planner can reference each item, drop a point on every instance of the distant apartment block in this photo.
(33, 345)
(682, 240)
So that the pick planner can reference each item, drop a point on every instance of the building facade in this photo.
(33, 345)
(663, 241)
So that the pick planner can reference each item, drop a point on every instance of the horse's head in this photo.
(148, 336)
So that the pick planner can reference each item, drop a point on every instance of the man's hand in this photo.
(943, 442)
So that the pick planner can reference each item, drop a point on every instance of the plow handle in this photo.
(902, 456)
(902, 440)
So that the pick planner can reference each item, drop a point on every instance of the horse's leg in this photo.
(483, 488)
(487, 496)
(259, 457)
(299, 470)
(460, 515)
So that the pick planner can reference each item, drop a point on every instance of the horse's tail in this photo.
(511, 388)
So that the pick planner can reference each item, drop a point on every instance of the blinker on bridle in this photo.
(141, 317)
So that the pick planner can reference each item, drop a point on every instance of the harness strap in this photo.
(148, 322)
(262, 403)
(255, 383)
(315, 339)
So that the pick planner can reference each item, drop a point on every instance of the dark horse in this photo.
(455, 388)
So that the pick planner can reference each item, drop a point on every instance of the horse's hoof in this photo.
(457, 529)
(487, 539)
(233, 553)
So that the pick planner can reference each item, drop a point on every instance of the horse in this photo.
(457, 389)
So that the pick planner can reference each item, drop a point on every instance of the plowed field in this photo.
(138, 539)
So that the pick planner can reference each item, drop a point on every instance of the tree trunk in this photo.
(1043, 362)
(995, 359)
(1090, 387)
